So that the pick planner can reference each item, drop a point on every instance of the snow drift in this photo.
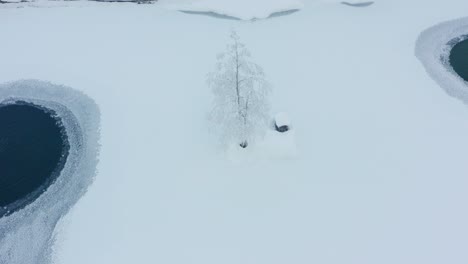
(240, 9)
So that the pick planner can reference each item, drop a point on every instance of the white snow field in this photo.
(380, 173)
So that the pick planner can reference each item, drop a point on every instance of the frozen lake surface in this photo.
(380, 171)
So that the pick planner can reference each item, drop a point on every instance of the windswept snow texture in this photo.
(433, 50)
(26, 236)
(240, 9)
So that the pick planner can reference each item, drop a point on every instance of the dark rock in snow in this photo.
(282, 123)
(281, 129)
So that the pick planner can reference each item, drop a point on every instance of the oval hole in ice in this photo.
(33, 151)
(459, 59)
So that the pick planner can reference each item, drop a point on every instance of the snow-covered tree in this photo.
(241, 95)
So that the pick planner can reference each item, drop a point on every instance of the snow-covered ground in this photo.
(380, 173)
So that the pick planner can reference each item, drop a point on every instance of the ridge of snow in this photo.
(282, 119)
(241, 9)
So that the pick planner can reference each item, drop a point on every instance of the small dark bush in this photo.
(244, 144)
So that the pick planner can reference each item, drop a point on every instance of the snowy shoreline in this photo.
(26, 236)
(218, 9)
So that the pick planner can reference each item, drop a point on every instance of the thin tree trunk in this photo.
(237, 79)
(244, 143)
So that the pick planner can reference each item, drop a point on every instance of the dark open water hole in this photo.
(459, 59)
(33, 150)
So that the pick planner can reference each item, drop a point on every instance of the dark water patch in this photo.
(210, 14)
(458, 57)
(363, 4)
(33, 151)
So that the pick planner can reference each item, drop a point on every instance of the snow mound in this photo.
(240, 9)
(433, 49)
(282, 119)
(26, 236)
